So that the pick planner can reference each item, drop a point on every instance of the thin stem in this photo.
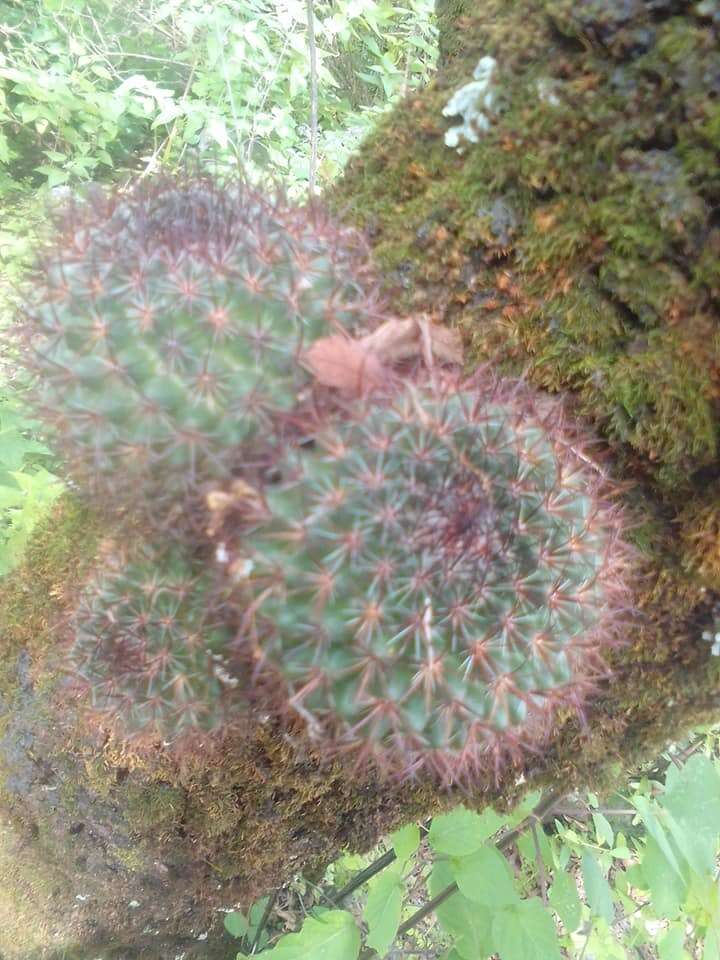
(231, 95)
(542, 878)
(313, 96)
(542, 812)
(587, 941)
(584, 813)
(363, 876)
(261, 104)
(263, 921)
(181, 65)
(369, 872)
(183, 101)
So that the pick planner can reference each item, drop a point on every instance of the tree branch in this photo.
(313, 96)
(542, 812)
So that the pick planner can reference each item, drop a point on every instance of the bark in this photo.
(576, 241)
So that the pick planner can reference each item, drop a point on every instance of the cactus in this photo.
(437, 577)
(151, 639)
(167, 322)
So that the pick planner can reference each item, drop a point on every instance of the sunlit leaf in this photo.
(462, 832)
(405, 841)
(467, 922)
(382, 911)
(525, 932)
(333, 936)
(484, 877)
(597, 889)
(565, 901)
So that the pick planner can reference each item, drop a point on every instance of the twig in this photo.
(231, 96)
(658, 769)
(263, 921)
(156, 26)
(584, 813)
(261, 104)
(369, 872)
(587, 940)
(542, 878)
(183, 101)
(542, 812)
(363, 876)
(313, 96)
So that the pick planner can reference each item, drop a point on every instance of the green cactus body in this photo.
(167, 325)
(150, 646)
(438, 577)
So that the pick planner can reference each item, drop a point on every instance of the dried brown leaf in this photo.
(345, 364)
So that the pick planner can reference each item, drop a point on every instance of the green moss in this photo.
(606, 288)
(38, 592)
(131, 858)
(612, 177)
(151, 807)
(28, 891)
(98, 775)
(700, 522)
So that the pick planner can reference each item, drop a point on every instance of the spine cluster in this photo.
(425, 573)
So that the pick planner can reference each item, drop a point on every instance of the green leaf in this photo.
(382, 911)
(334, 936)
(469, 924)
(597, 889)
(236, 924)
(462, 832)
(603, 829)
(405, 842)
(526, 846)
(525, 932)
(667, 889)
(100, 71)
(671, 945)
(257, 911)
(484, 877)
(525, 807)
(712, 944)
(656, 831)
(565, 901)
(14, 447)
(692, 799)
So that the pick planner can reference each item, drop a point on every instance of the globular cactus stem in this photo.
(166, 325)
(152, 637)
(438, 576)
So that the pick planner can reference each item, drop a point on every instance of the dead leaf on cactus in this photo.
(357, 366)
(345, 364)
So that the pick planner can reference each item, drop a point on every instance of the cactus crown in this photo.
(151, 639)
(168, 321)
(436, 577)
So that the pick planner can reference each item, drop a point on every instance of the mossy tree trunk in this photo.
(577, 241)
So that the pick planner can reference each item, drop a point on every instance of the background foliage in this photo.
(630, 875)
(88, 88)
(104, 91)
(92, 89)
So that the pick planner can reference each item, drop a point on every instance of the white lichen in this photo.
(713, 638)
(713, 635)
(473, 103)
(546, 91)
